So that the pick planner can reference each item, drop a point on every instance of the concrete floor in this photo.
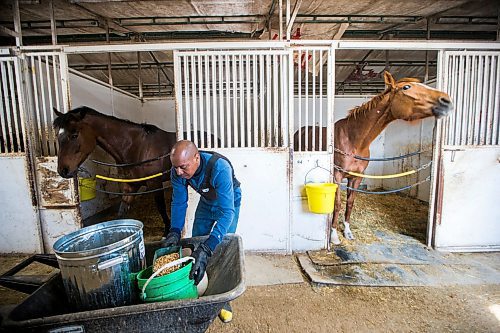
(271, 269)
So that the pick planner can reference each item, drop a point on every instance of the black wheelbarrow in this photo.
(47, 308)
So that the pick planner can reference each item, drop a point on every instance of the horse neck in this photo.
(364, 128)
(111, 138)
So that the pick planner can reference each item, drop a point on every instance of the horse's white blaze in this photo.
(426, 86)
(61, 131)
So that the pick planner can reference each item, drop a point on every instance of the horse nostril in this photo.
(64, 172)
(444, 101)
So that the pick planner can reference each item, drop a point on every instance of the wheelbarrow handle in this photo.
(162, 268)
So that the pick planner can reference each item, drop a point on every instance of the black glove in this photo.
(173, 238)
(200, 255)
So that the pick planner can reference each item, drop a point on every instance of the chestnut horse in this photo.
(82, 129)
(406, 99)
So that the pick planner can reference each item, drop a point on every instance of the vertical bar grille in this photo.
(47, 75)
(474, 86)
(11, 119)
(233, 98)
(311, 88)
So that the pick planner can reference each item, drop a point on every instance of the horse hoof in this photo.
(347, 231)
(334, 237)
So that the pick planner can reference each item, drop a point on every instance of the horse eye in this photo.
(406, 87)
(74, 136)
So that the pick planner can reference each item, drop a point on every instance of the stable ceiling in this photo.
(115, 21)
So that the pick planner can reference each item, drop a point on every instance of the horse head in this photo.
(412, 100)
(76, 141)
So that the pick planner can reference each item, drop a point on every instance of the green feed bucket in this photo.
(172, 286)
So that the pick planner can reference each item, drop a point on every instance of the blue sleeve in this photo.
(222, 181)
(179, 202)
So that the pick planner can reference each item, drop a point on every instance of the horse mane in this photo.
(359, 110)
(353, 113)
(80, 113)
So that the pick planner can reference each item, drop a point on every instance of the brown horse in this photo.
(406, 99)
(82, 129)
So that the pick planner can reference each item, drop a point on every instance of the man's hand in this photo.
(201, 255)
(173, 238)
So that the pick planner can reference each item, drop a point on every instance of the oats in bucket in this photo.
(163, 260)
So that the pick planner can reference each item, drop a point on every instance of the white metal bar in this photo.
(56, 69)
(221, 100)
(194, 122)
(299, 93)
(36, 112)
(200, 112)
(330, 104)
(188, 99)
(466, 96)
(15, 110)
(471, 110)
(5, 97)
(496, 103)
(215, 113)
(274, 45)
(43, 109)
(274, 143)
(306, 106)
(485, 86)
(241, 95)
(248, 109)
(50, 136)
(268, 99)
(262, 81)
(282, 107)
(21, 104)
(178, 82)
(64, 81)
(255, 124)
(478, 95)
(228, 102)
(321, 125)
(460, 106)
(313, 143)
(7, 107)
(207, 104)
(235, 101)
(290, 106)
(413, 45)
(489, 108)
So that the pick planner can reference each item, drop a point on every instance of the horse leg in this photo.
(162, 209)
(334, 237)
(353, 183)
(126, 199)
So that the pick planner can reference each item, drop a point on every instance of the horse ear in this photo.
(389, 80)
(57, 112)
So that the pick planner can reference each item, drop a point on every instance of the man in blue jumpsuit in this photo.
(212, 176)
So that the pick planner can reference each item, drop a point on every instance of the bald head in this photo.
(185, 158)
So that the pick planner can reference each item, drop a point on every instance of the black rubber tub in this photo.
(48, 310)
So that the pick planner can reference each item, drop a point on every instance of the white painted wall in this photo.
(402, 137)
(160, 113)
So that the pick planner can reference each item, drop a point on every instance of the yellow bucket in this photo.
(87, 188)
(321, 197)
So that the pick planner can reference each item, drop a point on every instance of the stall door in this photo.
(236, 102)
(20, 225)
(468, 194)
